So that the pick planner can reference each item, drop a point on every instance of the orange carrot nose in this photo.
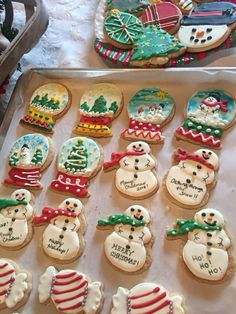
(209, 218)
(200, 34)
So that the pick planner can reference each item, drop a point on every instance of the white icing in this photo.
(94, 298)
(178, 302)
(119, 301)
(45, 284)
(99, 20)
(207, 117)
(17, 292)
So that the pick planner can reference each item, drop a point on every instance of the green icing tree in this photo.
(85, 107)
(99, 105)
(113, 107)
(45, 102)
(77, 159)
(37, 157)
(13, 159)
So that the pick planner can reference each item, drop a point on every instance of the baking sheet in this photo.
(201, 298)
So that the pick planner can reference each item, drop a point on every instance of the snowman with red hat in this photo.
(154, 114)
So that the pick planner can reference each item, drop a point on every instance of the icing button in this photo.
(190, 124)
(127, 247)
(64, 228)
(216, 131)
(209, 234)
(199, 127)
(66, 221)
(136, 160)
(209, 253)
(188, 181)
(61, 236)
(136, 168)
(10, 229)
(209, 243)
(13, 219)
(135, 175)
(132, 228)
(131, 237)
(208, 130)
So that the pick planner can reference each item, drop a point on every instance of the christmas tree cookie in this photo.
(16, 214)
(63, 237)
(207, 114)
(99, 105)
(188, 183)
(128, 247)
(149, 110)
(79, 159)
(48, 103)
(29, 156)
(134, 177)
(71, 291)
(147, 298)
(208, 250)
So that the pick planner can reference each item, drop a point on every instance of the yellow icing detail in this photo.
(114, 12)
(161, 94)
(93, 129)
(32, 115)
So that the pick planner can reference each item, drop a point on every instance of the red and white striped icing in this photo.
(7, 277)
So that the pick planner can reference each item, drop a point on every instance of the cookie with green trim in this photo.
(135, 7)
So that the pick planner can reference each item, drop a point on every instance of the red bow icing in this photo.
(116, 157)
(183, 155)
(222, 104)
(49, 213)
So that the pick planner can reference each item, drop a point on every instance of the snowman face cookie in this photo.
(208, 250)
(70, 291)
(128, 247)
(63, 237)
(149, 109)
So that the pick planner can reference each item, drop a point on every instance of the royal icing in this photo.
(27, 158)
(14, 284)
(16, 214)
(206, 250)
(188, 182)
(185, 5)
(79, 159)
(63, 237)
(146, 298)
(125, 247)
(47, 103)
(71, 291)
(135, 177)
(99, 105)
(148, 110)
(208, 112)
(129, 6)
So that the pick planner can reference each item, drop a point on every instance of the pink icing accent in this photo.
(149, 302)
(137, 296)
(64, 283)
(58, 301)
(58, 276)
(7, 273)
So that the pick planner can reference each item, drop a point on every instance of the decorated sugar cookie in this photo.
(208, 113)
(48, 103)
(16, 214)
(63, 237)
(134, 177)
(29, 156)
(147, 298)
(207, 26)
(208, 250)
(99, 105)
(149, 109)
(71, 291)
(130, 6)
(188, 183)
(128, 247)
(15, 285)
(79, 159)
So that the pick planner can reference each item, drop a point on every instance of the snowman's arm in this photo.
(150, 162)
(145, 235)
(76, 224)
(196, 236)
(223, 240)
(209, 177)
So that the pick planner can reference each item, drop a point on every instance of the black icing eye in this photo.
(16, 210)
(209, 38)
(140, 145)
(75, 205)
(194, 30)
(212, 214)
(204, 152)
(134, 146)
(17, 194)
(67, 203)
(199, 166)
(132, 209)
(196, 40)
(192, 38)
(209, 30)
(209, 153)
(139, 210)
(203, 214)
(203, 41)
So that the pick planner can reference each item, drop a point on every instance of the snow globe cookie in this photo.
(208, 250)
(147, 298)
(70, 291)
(48, 103)
(134, 177)
(29, 156)
(15, 285)
(149, 110)
(80, 159)
(208, 113)
(16, 215)
(128, 247)
(99, 105)
(188, 183)
(135, 7)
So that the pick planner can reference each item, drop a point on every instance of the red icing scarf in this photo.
(49, 213)
(116, 157)
(222, 104)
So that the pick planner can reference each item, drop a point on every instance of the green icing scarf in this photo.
(5, 202)
(120, 219)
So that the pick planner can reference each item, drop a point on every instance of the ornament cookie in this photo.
(135, 177)
(71, 291)
(207, 114)
(208, 250)
(128, 247)
(130, 6)
(16, 215)
(147, 298)
(29, 156)
(149, 110)
(99, 105)
(80, 159)
(207, 26)
(188, 183)
(63, 237)
(48, 103)
(15, 285)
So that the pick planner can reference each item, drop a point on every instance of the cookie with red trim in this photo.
(188, 183)
(135, 7)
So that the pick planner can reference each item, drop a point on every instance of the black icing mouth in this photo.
(70, 210)
(138, 150)
(138, 217)
(20, 198)
(206, 156)
(213, 224)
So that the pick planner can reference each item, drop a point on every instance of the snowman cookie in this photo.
(15, 285)
(147, 298)
(71, 291)
(48, 103)
(188, 183)
(207, 114)
(128, 247)
(149, 110)
(16, 215)
(80, 159)
(29, 156)
(63, 237)
(99, 105)
(134, 177)
(208, 250)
